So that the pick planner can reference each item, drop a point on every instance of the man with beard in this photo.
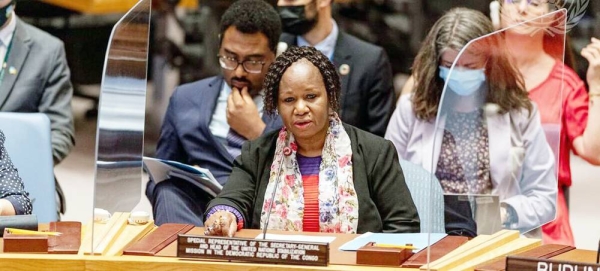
(367, 91)
(207, 121)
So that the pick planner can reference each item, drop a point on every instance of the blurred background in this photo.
(184, 46)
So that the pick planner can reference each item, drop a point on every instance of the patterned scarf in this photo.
(338, 203)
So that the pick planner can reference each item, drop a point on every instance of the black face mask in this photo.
(294, 21)
(5, 12)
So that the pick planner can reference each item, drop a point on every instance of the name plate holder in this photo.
(514, 263)
(252, 250)
(370, 254)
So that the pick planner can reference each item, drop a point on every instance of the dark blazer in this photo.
(40, 83)
(185, 135)
(384, 201)
(367, 98)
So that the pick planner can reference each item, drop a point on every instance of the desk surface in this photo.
(339, 260)
(166, 260)
(74, 262)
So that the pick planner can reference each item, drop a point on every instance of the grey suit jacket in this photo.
(367, 98)
(40, 82)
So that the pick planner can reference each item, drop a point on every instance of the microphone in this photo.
(287, 152)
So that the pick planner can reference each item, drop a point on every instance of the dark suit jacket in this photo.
(384, 201)
(41, 84)
(185, 135)
(367, 90)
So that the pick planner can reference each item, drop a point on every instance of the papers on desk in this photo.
(160, 170)
(298, 238)
(418, 240)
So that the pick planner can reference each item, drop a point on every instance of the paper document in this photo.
(299, 238)
(418, 240)
(160, 170)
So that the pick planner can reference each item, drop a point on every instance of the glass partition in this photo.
(121, 113)
(494, 150)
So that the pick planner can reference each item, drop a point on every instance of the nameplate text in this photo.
(252, 250)
(514, 263)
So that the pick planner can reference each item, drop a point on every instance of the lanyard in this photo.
(5, 62)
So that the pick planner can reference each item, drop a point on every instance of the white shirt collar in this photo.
(6, 33)
(327, 45)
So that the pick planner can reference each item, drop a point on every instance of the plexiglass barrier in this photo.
(120, 131)
(494, 150)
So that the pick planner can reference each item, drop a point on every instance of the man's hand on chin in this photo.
(242, 114)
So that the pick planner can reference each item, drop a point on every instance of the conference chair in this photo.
(29, 145)
(428, 196)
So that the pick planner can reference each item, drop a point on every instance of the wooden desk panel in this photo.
(339, 260)
(10, 261)
(577, 255)
(143, 263)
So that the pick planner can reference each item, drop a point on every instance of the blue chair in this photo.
(29, 145)
(427, 195)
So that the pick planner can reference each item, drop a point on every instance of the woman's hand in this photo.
(6, 208)
(221, 223)
(592, 54)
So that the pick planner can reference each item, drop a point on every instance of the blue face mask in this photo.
(464, 82)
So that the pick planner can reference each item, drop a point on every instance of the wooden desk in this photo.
(165, 260)
(132, 263)
(577, 255)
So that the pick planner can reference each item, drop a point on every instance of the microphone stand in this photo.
(272, 199)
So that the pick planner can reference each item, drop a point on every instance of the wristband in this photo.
(235, 212)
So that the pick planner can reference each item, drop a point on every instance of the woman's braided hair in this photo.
(331, 80)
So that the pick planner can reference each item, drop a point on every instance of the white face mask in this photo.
(464, 82)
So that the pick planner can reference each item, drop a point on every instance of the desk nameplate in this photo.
(514, 263)
(252, 250)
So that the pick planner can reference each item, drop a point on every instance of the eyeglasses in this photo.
(250, 66)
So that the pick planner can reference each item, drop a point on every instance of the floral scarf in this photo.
(338, 203)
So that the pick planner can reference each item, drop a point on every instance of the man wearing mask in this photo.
(35, 77)
(365, 71)
(207, 121)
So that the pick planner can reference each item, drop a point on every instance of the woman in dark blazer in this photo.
(316, 173)
(13, 198)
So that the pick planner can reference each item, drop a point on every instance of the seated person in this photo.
(573, 121)
(315, 174)
(207, 121)
(13, 198)
(364, 68)
(511, 157)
